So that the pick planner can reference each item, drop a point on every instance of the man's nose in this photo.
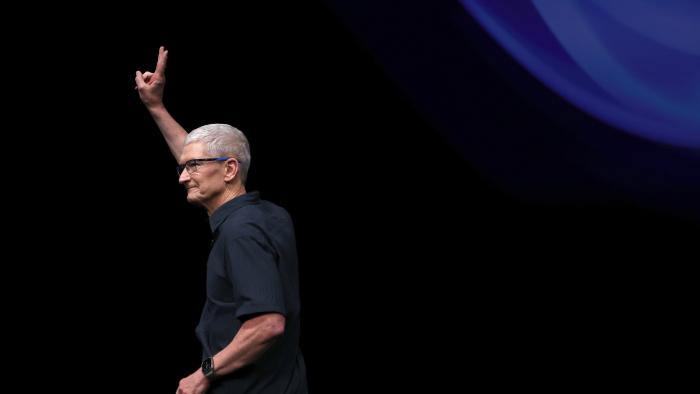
(184, 177)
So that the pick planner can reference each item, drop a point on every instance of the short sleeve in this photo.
(252, 269)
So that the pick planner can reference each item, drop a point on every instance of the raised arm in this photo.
(150, 86)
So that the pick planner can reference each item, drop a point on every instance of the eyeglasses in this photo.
(193, 165)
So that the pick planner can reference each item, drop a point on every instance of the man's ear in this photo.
(232, 167)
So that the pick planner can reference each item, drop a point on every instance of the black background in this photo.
(417, 270)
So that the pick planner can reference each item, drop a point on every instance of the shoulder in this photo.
(256, 220)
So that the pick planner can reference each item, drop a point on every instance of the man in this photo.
(249, 328)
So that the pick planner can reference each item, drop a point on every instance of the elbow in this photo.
(275, 326)
(267, 327)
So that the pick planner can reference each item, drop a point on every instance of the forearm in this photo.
(173, 133)
(252, 340)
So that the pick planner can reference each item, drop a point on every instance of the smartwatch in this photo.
(208, 368)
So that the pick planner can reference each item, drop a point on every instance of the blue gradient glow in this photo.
(633, 64)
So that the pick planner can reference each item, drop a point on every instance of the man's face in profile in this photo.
(204, 180)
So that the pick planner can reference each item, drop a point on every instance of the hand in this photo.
(151, 84)
(196, 383)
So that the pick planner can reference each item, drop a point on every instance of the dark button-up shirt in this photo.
(252, 269)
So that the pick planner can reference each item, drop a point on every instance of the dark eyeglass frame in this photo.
(193, 165)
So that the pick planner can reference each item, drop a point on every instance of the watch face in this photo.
(206, 365)
(208, 368)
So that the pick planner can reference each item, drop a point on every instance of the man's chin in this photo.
(193, 197)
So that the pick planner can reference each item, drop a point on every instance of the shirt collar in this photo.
(224, 211)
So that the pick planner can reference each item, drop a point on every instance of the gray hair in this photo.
(224, 140)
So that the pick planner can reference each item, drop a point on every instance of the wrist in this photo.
(208, 369)
(157, 109)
